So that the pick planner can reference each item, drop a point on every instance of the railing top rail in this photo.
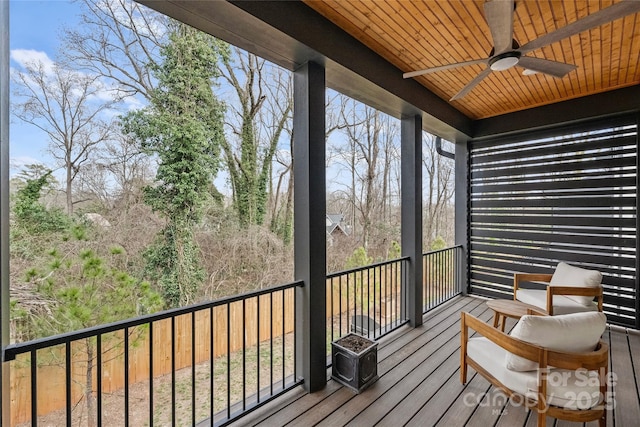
(366, 267)
(11, 351)
(442, 250)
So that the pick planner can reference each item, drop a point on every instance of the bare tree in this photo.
(130, 168)
(439, 190)
(363, 154)
(118, 40)
(256, 130)
(117, 173)
(69, 107)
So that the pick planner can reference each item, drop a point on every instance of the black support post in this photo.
(5, 389)
(411, 140)
(309, 222)
(462, 211)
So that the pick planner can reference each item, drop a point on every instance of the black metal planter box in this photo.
(354, 366)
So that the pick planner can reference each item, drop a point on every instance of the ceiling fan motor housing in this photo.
(505, 60)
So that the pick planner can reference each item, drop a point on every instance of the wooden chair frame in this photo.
(597, 360)
(556, 290)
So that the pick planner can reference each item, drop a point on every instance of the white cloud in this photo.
(25, 57)
(101, 91)
(21, 161)
(18, 163)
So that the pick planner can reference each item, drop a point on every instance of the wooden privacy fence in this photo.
(239, 324)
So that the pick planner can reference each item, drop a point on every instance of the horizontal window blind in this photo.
(564, 195)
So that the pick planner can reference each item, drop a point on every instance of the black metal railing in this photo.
(205, 364)
(442, 276)
(368, 300)
(210, 363)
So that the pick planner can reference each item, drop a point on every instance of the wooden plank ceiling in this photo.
(419, 34)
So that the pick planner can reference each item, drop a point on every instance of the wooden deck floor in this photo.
(419, 385)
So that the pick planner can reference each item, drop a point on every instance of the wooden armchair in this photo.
(570, 290)
(558, 385)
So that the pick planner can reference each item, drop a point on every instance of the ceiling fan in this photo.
(506, 52)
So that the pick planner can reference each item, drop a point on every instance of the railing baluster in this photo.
(228, 361)
(284, 341)
(211, 367)
(99, 379)
(390, 297)
(193, 368)
(331, 292)
(244, 355)
(173, 371)
(372, 314)
(443, 276)
(394, 281)
(67, 355)
(271, 343)
(348, 308)
(295, 338)
(258, 349)
(425, 279)
(34, 388)
(375, 284)
(151, 411)
(126, 376)
(431, 282)
(340, 307)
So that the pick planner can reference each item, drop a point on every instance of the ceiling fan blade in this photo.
(465, 90)
(553, 68)
(596, 19)
(443, 68)
(499, 16)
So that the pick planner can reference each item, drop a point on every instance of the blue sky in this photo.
(35, 30)
(35, 26)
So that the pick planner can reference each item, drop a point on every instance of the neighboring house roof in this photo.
(335, 222)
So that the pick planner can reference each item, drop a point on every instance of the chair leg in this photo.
(542, 419)
(463, 372)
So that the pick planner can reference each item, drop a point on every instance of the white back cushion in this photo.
(568, 275)
(571, 333)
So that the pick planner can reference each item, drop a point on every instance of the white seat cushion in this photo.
(570, 333)
(566, 389)
(561, 303)
(568, 275)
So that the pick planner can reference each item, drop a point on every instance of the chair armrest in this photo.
(513, 345)
(594, 360)
(527, 277)
(573, 290)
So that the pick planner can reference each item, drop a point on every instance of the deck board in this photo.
(419, 384)
(627, 410)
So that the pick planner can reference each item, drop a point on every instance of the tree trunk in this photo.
(68, 189)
